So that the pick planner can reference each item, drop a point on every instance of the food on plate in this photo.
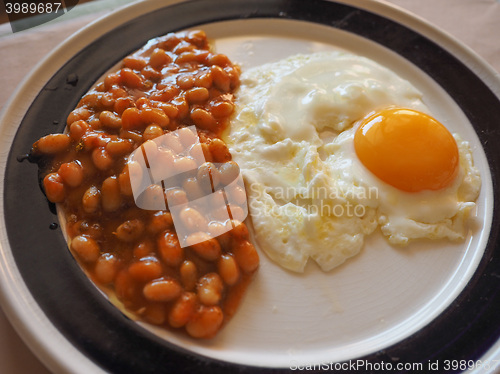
(333, 145)
(176, 89)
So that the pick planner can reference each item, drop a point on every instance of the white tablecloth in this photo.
(473, 22)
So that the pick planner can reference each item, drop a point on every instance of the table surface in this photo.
(473, 22)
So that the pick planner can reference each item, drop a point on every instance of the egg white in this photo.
(309, 196)
(403, 216)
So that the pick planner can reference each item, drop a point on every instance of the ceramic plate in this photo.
(424, 304)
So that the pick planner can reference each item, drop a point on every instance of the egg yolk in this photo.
(407, 149)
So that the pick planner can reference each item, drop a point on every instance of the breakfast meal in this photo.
(332, 146)
(148, 175)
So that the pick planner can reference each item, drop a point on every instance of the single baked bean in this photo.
(110, 194)
(154, 116)
(237, 229)
(165, 94)
(185, 81)
(238, 195)
(196, 153)
(160, 221)
(111, 80)
(170, 110)
(95, 124)
(172, 143)
(91, 200)
(198, 38)
(183, 46)
(218, 59)
(228, 269)
(204, 79)
(124, 182)
(246, 256)
(237, 212)
(107, 100)
(176, 196)
(220, 78)
(221, 109)
(164, 163)
(209, 289)
(206, 152)
(204, 119)
(131, 135)
(186, 137)
(205, 322)
(186, 57)
(219, 212)
(170, 249)
(170, 41)
(150, 149)
(132, 119)
(54, 188)
(204, 246)
(84, 227)
(151, 74)
(193, 220)
(155, 314)
(92, 100)
(71, 173)
(152, 131)
(130, 230)
(81, 113)
(52, 144)
(144, 248)
(189, 275)
(216, 228)
(142, 103)
(159, 58)
(130, 78)
(152, 198)
(192, 188)
(119, 147)
(134, 62)
(102, 159)
(110, 120)
(134, 173)
(233, 73)
(119, 93)
(197, 95)
(208, 177)
(183, 164)
(162, 290)
(122, 103)
(77, 129)
(86, 248)
(219, 151)
(106, 268)
(182, 310)
(146, 269)
(182, 107)
(125, 287)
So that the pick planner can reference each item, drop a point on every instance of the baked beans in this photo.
(173, 82)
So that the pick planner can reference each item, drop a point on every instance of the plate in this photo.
(385, 308)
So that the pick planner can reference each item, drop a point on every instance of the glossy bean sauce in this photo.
(173, 82)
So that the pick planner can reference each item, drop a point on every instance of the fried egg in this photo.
(317, 169)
